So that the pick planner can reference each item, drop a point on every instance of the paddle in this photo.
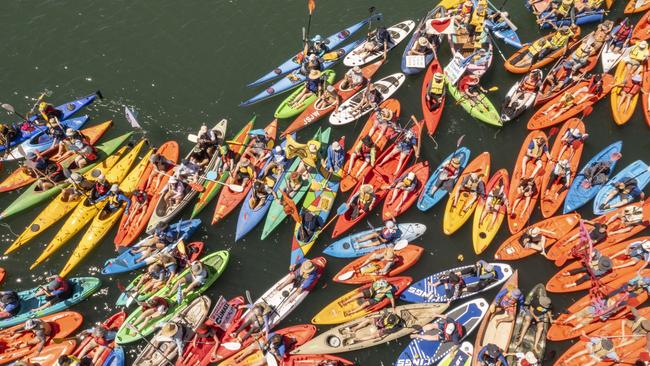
(586, 184)
(195, 186)
(401, 244)
(9, 108)
(342, 209)
(212, 177)
(494, 43)
(465, 96)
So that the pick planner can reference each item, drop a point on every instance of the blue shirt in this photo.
(483, 356)
(335, 159)
(308, 281)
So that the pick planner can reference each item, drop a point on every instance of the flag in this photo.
(130, 117)
(441, 26)
(311, 4)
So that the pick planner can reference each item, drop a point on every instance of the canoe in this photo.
(518, 219)
(519, 63)
(620, 115)
(456, 215)
(188, 319)
(437, 12)
(58, 209)
(484, 232)
(102, 223)
(315, 360)
(541, 120)
(49, 356)
(332, 42)
(116, 357)
(551, 197)
(312, 114)
(512, 249)
(32, 196)
(502, 30)
(421, 352)
(212, 189)
(528, 342)
(584, 17)
(461, 357)
(423, 291)
(228, 199)
(20, 178)
(335, 313)
(386, 86)
(637, 170)
(82, 287)
(407, 258)
(126, 234)
(578, 195)
(390, 210)
(511, 109)
(85, 210)
(63, 324)
(165, 214)
(216, 263)
(331, 341)
(496, 333)
(111, 324)
(610, 58)
(426, 200)
(286, 110)
(483, 110)
(349, 181)
(398, 33)
(636, 6)
(641, 31)
(276, 214)
(348, 247)
(431, 115)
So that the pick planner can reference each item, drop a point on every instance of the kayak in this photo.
(348, 247)
(437, 13)
(216, 263)
(346, 112)
(165, 214)
(421, 352)
(461, 357)
(315, 360)
(362, 274)
(550, 115)
(58, 209)
(581, 191)
(237, 145)
(20, 177)
(398, 33)
(484, 232)
(512, 249)
(482, 109)
(552, 193)
(333, 341)
(432, 115)
(645, 96)
(621, 115)
(132, 224)
(585, 17)
(390, 209)
(528, 340)
(610, 57)
(423, 291)
(63, 324)
(104, 221)
(457, 213)
(276, 214)
(287, 110)
(503, 30)
(636, 6)
(229, 199)
(641, 31)
(116, 357)
(352, 172)
(520, 61)
(511, 109)
(427, 200)
(518, 219)
(491, 330)
(85, 210)
(637, 170)
(129, 260)
(3, 273)
(111, 324)
(32, 196)
(331, 42)
(336, 313)
(165, 351)
(312, 113)
(49, 355)
(82, 287)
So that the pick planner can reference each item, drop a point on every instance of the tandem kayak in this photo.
(637, 172)
(585, 17)
(521, 62)
(398, 33)
(534, 340)
(351, 246)
(428, 200)
(287, 110)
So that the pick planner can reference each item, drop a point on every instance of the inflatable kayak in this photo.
(520, 62)
(112, 324)
(420, 30)
(513, 108)
(432, 114)
(362, 274)
(116, 357)
(482, 108)
(350, 246)
(391, 209)
(398, 33)
(528, 339)
(483, 232)
(428, 200)
(584, 17)
(620, 113)
(503, 30)
(637, 171)
(287, 110)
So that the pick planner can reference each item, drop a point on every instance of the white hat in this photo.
(646, 245)
(411, 176)
(449, 329)
(390, 224)
(69, 132)
(76, 177)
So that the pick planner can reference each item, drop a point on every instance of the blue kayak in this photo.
(331, 42)
(586, 17)
(426, 201)
(348, 247)
(115, 358)
(503, 31)
(637, 171)
(423, 291)
(82, 287)
(423, 352)
(437, 12)
(127, 260)
(578, 195)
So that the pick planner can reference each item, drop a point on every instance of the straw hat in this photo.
(422, 41)
(386, 113)
(245, 162)
(169, 330)
(545, 301)
(367, 188)
(307, 267)
(314, 74)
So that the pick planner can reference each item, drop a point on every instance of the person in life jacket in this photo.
(638, 251)
(508, 300)
(41, 330)
(254, 321)
(47, 172)
(470, 87)
(207, 140)
(293, 183)
(405, 145)
(626, 220)
(100, 188)
(116, 198)
(436, 91)
(598, 173)
(539, 314)
(243, 172)
(79, 186)
(370, 99)
(173, 192)
(560, 175)
(590, 5)
(407, 184)
(314, 86)
(101, 339)
(421, 47)
(495, 202)
(560, 39)
(571, 139)
(57, 289)
(200, 156)
(366, 151)
(377, 41)
(372, 295)
(536, 150)
(464, 11)
(563, 76)
(152, 308)
(581, 56)
(261, 191)
(601, 34)
(534, 52)
(562, 11)
(526, 190)
(77, 143)
(380, 263)
(454, 286)
(188, 170)
(311, 63)
(384, 118)
(139, 200)
(590, 92)
(626, 189)
(362, 201)
(536, 238)
(274, 344)
(160, 166)
(47, 111)
(485, 272)
(197, 277)
(378, 326)
(161, 238)
(310, 223)
(473, 185)
(327, 99)
(477, 20)
(599, 265)
(9, 304)
(353, 78)
(384, 236)
(54, 133)
(621, 38)
(491, 355)
(449, 171)
(8, 134)
(526, 90)
(335, 158)
(626, 91)
(636, 58)
(443, 329)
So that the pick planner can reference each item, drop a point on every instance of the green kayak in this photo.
(32, 196)
(483, 110)
(216, 262)
(276, 212)
(286, 111)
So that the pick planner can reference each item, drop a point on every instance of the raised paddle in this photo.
(399, 245)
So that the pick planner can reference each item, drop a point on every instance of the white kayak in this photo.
(609, 58)
(398, 33)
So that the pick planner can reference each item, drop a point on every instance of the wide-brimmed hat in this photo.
(604, 263)
(314, 74)
(245, 162)
(422, 41)
(169, 330)
(307, 267)
(455, 161)
(366, 188)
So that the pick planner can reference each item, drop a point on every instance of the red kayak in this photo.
(111, 324)
(432, 115)
(390, 210)
(406, 258)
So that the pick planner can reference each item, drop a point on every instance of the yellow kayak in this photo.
(484, 232)
(103, 223)
(622, 115)
(449, 4)
(85, 211)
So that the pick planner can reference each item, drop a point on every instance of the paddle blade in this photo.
(130, 117)
(342, 209)
(236, 188)
(211, 175)
(270, 359)
(8, 108)
(181, 248)
(401, 244)
(460, 141)
(345, 276)
(192, 138)
(232, 346)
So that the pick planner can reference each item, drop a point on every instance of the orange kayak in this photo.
(126, 234)
(421, 171)
(517, 218)
(314, 360)
(520, 63)
(552, 198)
(641, 31)
(632, 6)
(432, 116)
(484, 232)
(645, 91)
(407, 257)
(3, 273)
(548, 115)
(113, 323)
(49, 356)
(349, 181)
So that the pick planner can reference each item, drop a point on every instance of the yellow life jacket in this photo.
(559, 40)
(112, 200)
(537, 46)
(437, 88)
(565, 7)
(581, 53)
(407, 182)
(247, 170)
(638, 54)
(472, 184)
(594, 4)
(478, 17)
(537, 150)
(365, 198)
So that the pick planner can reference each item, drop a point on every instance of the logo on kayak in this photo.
(71, 106)
(270, 90)
(344, 34)
(277, 71)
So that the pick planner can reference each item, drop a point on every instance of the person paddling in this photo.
(57, 290)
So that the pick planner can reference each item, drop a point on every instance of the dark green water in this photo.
(184, 63)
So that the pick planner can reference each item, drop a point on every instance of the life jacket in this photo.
(246, 170)
(113, 199)
(407, 182)
(365, 198)
(472, 184)
(559, 40)
(365, 150)
(537, 150)
(383, 323)
(537, 46)
(508, 301)
(529, 84)
(594, 4)
(466, 8)
(630, 87)
(581, 53)
(498, 198)
(101, 189)
(623, 32)
(565, 7)
(484, 271)
(638, 54)
(387, 233)
(459, 330)
(478, 17)
(140, 197)
(437, 88)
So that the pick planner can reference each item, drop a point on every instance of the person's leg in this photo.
(405, 195)
(524, 164)
(361, 168)
(538, 166)
(402, 157)
(470, 202)
(524, 328)
(526, 204)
